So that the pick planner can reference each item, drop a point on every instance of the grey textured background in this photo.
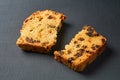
(16, 64)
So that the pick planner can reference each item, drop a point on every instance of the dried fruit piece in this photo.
(70, 59)
(50, 17)
(61, 52)
(30, 40)
(81, 39)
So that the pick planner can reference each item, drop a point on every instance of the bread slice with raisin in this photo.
(82, 50)
(39, 31)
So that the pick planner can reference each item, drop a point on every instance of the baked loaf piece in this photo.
(39, 31)
(82, 50)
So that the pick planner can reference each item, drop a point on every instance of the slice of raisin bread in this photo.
(39, 31)
(82, 50)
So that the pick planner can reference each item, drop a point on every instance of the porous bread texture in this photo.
(82, 50)
(39, 31)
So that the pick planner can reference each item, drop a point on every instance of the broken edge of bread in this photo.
(82, 50)
(39, 31)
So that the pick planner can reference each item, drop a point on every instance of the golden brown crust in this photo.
(39, 31)
(82, 50)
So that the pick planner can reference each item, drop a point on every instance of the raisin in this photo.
(40, 19)
(40, 30)
(36, 41)
(75, 42)
(31, 18)
(69, 51)
(90, 31)
(81, 50)
(62, 17)
(87, 51)
(51, 26)
(30, 40)
(55, 13)
(26, 20)
(70, 59)
(48, 47)
(103, 40)
(45, 43)
(81, 39)
(97, 34)
(93, 47)
(84, 46)
(78, 54)
(50, 17)
(97, 46)
(31, 30)
(50, 31)
(90, 34)
(77, 46)
(61, 52)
